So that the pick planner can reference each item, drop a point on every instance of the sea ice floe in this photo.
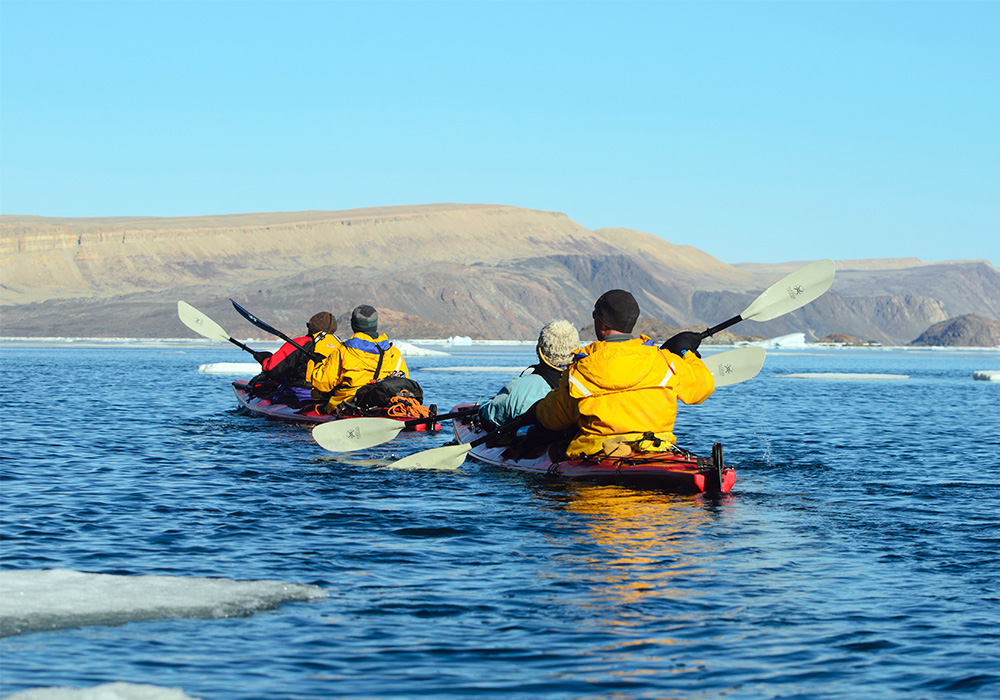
(247, 368)
(105, 691)
(48, 599)
(987, 375)
(842, 376)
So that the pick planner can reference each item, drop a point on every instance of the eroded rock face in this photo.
(843, 339)
(433, 271)
(970, 330)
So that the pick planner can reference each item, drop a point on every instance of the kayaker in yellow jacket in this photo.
(290, 364)
(361, 359)
(622, 392)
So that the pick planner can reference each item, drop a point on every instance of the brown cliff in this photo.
(433, 270)
(970, 330)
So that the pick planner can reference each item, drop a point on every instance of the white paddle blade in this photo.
(355, 433)
(200, 323)
(735, 366)
(447, 458)
(792, 292)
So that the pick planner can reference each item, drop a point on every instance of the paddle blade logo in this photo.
(725, 369)
(795, 291)
(354, 434)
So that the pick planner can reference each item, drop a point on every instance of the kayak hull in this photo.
(264, 408)
(680, 472)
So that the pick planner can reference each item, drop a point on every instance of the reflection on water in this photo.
(647, 539)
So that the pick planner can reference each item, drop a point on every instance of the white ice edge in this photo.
(247, 368)
(840, 376)
(47, 599)
(105, 691)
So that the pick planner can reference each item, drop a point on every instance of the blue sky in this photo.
(755, 131)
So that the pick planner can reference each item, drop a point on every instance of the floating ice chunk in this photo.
(249, 368)
(35, 600)
(792, 340)
(459, 340)
(411, 350)
(842, 376)
(106, 691)
(987, 375)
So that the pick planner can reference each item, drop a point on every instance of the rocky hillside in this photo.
(970, 330)
(434, 270)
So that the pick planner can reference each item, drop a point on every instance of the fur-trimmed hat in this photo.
(364, 319)
(323, 321)
(617, 309)
(557, 342)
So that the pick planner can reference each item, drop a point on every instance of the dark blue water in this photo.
(858, 555)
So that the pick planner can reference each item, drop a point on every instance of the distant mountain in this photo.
(842, 339)
(970, 330)
(485, 271)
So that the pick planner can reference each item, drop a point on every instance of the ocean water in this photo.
(153, 536)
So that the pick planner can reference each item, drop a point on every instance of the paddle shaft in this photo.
(274, 331)
(721, 327)
(241, 346)
(510, 426)
(443, 416)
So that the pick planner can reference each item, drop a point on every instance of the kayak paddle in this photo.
(735, 366)
(787, 294)
(359, 433)
(203, 325)
(274, 331)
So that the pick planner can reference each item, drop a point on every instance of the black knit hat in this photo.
(323, 321)
(364, 319)
(617, 309)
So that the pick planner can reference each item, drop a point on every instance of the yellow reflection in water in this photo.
(649, 540)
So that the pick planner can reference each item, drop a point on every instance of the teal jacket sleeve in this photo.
(514, 399)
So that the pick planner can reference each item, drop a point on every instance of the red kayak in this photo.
(677, 471)
(260, 406)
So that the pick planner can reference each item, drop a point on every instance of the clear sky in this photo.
(755, 131)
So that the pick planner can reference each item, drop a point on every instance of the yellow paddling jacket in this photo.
(623, 390)
(326, 344)
(353, 365)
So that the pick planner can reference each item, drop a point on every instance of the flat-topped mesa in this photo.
(118, 254)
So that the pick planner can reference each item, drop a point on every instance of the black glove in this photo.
(685, 340)
(261, 355)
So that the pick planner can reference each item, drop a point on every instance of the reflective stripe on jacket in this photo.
(353, 365)
(623, 389)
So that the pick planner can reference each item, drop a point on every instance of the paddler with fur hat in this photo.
(621, 393)
(361, 359)
(558, 342)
